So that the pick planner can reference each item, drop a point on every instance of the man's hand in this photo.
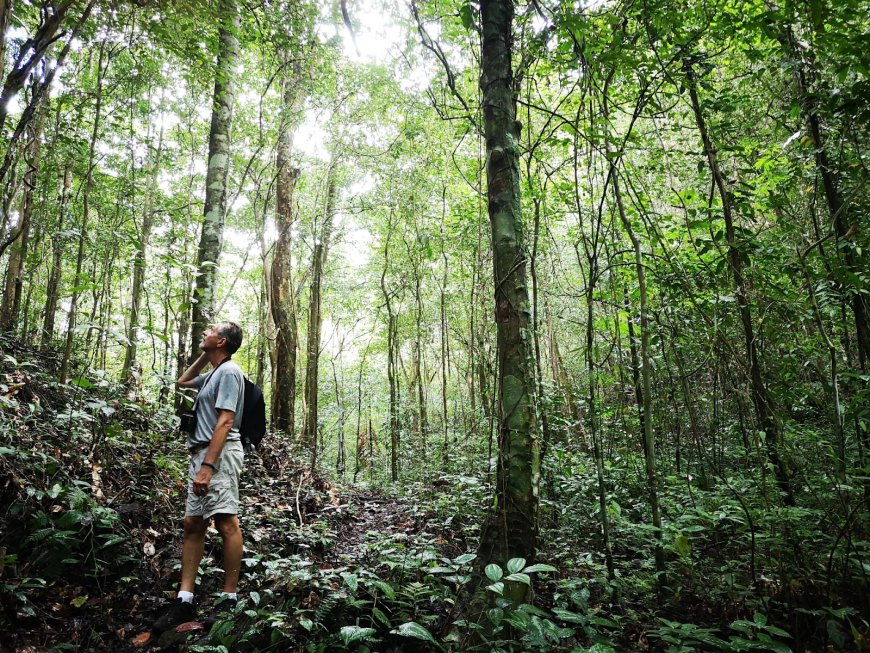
(186, 380)
(202, 480)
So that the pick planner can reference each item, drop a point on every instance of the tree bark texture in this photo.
(511, 529)
(211, 240)
(282, 299)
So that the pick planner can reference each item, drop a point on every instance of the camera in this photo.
(188, 422)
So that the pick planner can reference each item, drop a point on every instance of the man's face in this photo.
(211, 339)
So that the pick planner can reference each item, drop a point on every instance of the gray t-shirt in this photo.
(225, 390)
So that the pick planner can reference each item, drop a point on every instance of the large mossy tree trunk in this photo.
(511, 528)
(211, 239)
(282, 301)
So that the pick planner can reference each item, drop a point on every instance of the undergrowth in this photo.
(91, 493)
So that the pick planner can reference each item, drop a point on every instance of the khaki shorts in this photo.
(222, 497)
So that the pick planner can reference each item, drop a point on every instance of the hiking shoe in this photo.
(224, 610)
(179, 612)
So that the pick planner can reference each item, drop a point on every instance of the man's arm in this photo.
(218, 438)
(187, 379)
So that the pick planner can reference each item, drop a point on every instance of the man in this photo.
(216, 458)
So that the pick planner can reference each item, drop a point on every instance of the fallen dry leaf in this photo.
(189, 626)
(142, 638)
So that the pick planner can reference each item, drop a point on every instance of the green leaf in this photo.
(378, 614)
(388, 591)
(464, 558)
(79, 601)
(255, 598)
(493, 572)
(350, 580)
(682, 545)
(516, 564)
(350, 634)
(519, 578)
(81, 382)
(413, 629)
(540, 567)
(498, 588)
(466, 16)
(570, 617)
(112, 540)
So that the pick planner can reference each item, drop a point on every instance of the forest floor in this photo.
(91, 497)
(307, 543)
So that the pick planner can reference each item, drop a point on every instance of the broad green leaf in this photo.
(519, 578)
(493, 571)
(538, 568)
(350, 634)
(516, 564)
(464, 558)
(413, 629)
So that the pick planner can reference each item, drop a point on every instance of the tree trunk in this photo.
(761, 400)
(315, 318)
(211, 240)
(12, 293)
(139, 261)
(391, 362)
(282, 299)
(511, 528)
(83, 229)
(52, 291)
(844, 229)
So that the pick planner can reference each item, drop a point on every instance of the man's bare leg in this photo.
(191, 551)
(228, 527)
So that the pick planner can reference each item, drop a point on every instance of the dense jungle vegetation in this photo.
(561, 310)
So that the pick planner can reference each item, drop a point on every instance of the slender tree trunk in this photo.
(643, 385)
(315, 318)
(391, 362)
(762, 402)
(511, 528)
(18, 253)
(211, 239)
(445, 453)
(139, 262)
(5, 12)
(52, 292)
(83, 229)
(844, 225)
(42, 39)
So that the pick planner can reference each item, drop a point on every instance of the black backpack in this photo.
(253, 426)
